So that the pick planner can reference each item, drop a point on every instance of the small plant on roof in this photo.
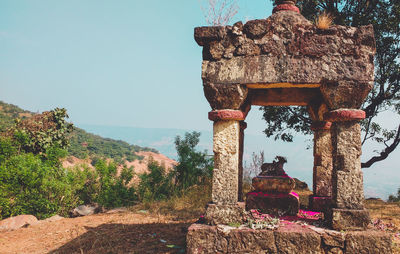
(324, 20)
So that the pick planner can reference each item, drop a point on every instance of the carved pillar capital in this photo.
(343, 115)
(285, 5)
(226, 115)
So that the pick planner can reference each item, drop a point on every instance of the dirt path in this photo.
(126, 232)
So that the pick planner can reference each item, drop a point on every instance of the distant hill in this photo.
(83, 144)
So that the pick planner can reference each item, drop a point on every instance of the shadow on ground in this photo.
(129, 238)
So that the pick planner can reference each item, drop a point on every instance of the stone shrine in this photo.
(281, 61)
(273, 191)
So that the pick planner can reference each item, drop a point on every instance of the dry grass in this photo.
(389, 216)
(324, 21)
(186, 206)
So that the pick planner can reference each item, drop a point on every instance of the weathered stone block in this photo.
(346, 146)
(225, 96)
(276, 204)
(247, 48)
(290, 69)
(348, 219)
(205, 35)
(201, 239)
(368, 242)
(286, 239)
(224, 214)
(298, 242)
(346, 94)
(251, 241)
(256, 28)
(333, 239)
(348, 190)
(323, 181)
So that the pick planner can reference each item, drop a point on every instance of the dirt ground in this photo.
(126, 232)
(138, 232)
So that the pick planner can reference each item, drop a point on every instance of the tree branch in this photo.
(385, 152)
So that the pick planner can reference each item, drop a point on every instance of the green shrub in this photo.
(29, 185)
(193, 167)
(114, 188)
(393, 198)
(155, 185)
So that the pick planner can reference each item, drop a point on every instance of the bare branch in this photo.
(219, 12)
(385, 152)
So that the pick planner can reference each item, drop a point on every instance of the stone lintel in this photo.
(281, 85)
(295, 239)
(226, 115)
(348, 219)
(320, 125)
(284, 96)
(224, 214)
(342, 115)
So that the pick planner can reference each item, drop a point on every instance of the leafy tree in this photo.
(32, 180)
(33, 184)
(384, 15)
(393, 198)
(42, 131)
(156, 184)
(193, 166)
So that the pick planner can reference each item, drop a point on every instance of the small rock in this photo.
(17, 222)
(118, 210)
(84, 210)
(54, 218)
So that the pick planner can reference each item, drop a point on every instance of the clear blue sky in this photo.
(124, 63)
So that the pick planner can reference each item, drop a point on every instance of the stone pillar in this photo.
(347, 212)
(322, 170)
(243, 126)
(224, 208)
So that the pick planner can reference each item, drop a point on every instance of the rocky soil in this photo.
(126, 232)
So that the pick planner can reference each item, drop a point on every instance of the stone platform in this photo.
(277, 204)
(288, 238)
(270, 184)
